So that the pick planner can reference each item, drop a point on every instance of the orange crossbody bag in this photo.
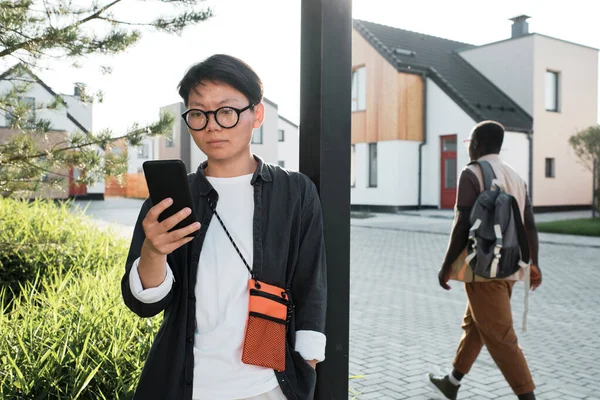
(269, 311)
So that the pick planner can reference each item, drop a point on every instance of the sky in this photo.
(266, 34)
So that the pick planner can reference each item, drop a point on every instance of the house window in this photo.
(281, 163)
(372, 164)
(281, 135)
(170, 142)
(552, 91)
(359, 89)
(449, 144)
(117, 151)
(550, 168)
(352, 173)
(257, 136)
(142, 151)
(29, 104)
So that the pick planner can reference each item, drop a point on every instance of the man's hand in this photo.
(312, 363)
(536, 277)
(444, 276)
(159, 241)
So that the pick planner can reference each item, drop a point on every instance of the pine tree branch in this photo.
(63, 149)
(45, 169)
(38, 39)
(17, 32)
(111, 20)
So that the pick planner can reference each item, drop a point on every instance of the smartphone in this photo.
(168, 178)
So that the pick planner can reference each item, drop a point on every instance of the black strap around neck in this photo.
(214, 209)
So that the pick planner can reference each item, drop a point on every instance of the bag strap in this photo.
(488, 173)
(214, 209)
(521, 235)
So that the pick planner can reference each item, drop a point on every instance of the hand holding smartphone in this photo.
(171, 222)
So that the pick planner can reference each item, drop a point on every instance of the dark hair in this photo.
(224, 69)
(489, 135)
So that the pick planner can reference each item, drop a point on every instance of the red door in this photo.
(448, 176)
(74, 188)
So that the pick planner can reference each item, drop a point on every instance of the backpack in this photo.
(497, 245)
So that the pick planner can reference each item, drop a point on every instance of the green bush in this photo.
(67, 335)
(40, 238)
(73, 339)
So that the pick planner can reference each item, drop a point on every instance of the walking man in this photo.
(488, 318)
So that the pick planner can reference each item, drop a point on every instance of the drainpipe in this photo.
(424, 142)
(530, 186)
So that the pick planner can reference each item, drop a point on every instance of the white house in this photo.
(415, 99)
(288, 154)
(136, 156)
(75, 116)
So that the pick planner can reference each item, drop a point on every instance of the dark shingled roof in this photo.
(439, 59)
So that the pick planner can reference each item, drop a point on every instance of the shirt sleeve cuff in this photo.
(311, 345)
(150, 295)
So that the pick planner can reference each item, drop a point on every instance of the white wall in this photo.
(509, 65)
(81, 111)
(289, 150)
(268, 149)
(134, 161)
(515, 152)
(578, 109)
(397, 180)
(58, 118)
(444, 117)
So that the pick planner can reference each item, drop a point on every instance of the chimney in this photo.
(520, 27)
(77, 89)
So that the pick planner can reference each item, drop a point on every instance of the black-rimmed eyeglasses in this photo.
(226, 117)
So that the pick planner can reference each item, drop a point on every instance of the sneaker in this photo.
(443, 386)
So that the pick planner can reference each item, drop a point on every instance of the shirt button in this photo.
(188, 382)
(192, 297)
(190, 339)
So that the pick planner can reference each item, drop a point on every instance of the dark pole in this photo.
(325, 80)
(594, 187)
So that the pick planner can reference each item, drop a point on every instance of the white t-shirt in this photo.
(222, 302)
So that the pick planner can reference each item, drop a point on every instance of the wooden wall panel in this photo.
(414, 107)
(388, 101)
(113, 188)
(136, 186)
(394, 109)
(359, 127)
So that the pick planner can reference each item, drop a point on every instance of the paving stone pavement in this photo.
(403, 325)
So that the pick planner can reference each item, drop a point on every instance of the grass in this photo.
(582, 227)
(64, 330)
(40, 238)
(73, 339)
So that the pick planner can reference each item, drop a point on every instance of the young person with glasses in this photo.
(257, 223)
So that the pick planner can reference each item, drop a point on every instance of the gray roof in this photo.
(439, 59)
